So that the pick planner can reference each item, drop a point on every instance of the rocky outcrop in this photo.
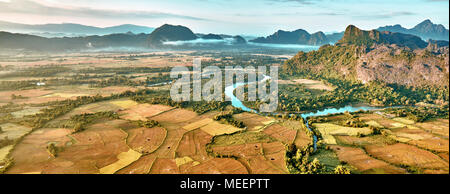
(356, 36)
(170, 33)
(387, 57)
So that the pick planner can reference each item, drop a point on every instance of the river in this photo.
(229, 91)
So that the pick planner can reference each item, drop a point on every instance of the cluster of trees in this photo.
(5, 164)
(124, 70)
(148, 124)
(227, 117)
(16, 85)
(42, 71)
(163, 97)
(128, 81)
(298, 161)
(59, 108)
(342, 170)
(79, 122)
(353, 121)
(420, 114)
(6, 142)
(14, 97)
(117, 80)
(53, 150)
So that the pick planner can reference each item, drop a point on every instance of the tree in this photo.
(341, 170)
(52, 149)
(78, 127)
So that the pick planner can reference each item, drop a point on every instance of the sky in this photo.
(235, 17)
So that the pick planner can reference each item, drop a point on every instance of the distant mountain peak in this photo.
(426, 30)
(427, 21)
(168, 32)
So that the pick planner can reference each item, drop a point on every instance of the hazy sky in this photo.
(256, 17)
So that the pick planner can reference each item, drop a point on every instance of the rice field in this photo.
(404, 146)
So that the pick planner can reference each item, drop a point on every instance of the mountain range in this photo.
(36, 43)
(156, 39)
(299, 36)
(426, 30)
(69, 29)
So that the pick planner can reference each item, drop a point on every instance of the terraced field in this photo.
(404, 146)
(183, 142)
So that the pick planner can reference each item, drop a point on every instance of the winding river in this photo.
(238, 104)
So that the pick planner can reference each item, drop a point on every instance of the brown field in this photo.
(5, 96)
(198, 124)
(275, 153)
(164, 166)
(143, 111)
(364, 163)
(421, 139)
(215, 128)
(218, 166)
(354, 141)
(254, 158)
(281, 133)
(112, 105)
(193, 145)
(405, 144)
(408, 155)
(145, 140)
(140, 166)
(253, 122)
(49, 94)
(261, 165)
(301, 138)
(31, 154)
(444, 156)
(176, 116)
(13, 131)
(440, 127)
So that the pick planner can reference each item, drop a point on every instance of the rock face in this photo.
(426, 30)
(387, 57)
(355, 36)
(295, 37)
(170, 33)
(399, 66)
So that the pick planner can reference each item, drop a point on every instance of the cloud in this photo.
(386, 15)
(32, 7)
(305, 2)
